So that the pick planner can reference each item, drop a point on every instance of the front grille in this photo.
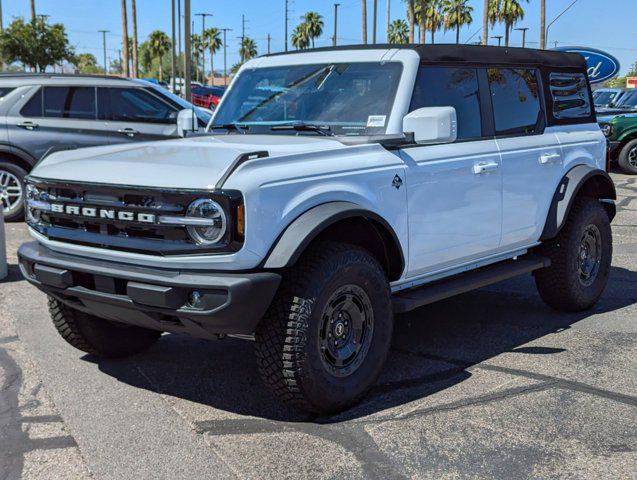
(140, 232)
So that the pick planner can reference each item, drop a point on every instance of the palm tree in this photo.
(508, 12)
(133, 6)
(398, 32)
(212, 39)
(422, 29)
(456, 14)
(411, 16)
(485, 23)
(433, 17)
(300, 37)
(125, 71)
(159, 45)
(33, 10)
(248, 49)
(364, 2)
(313, 24)
(197, 46)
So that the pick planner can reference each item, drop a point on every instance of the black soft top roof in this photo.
(474, 54)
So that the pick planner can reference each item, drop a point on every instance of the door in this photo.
(531, 157)
(454, 190)
(134, 114)
(58, 117)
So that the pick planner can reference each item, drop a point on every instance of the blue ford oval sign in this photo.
(601, 65)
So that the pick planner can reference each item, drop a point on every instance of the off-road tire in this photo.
(288, 352)
(16, 213)
(624, 157)
(559, 285)
(97, 336)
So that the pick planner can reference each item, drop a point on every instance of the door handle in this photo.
(129, 132)
(549, 158)
(28, 125)
(485, 167)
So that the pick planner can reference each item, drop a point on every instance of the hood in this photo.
(195, 163)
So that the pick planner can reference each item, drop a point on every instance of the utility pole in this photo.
(485, 23)
(104, 32)
(542, 24)
(388, 18)
(33, 10)
(286, 25)
(269, 38)
(499, 37)
(243, 35)
(125, 71)
(336, 5)
(172, 52)
(1, 24)
(179, 51)
(203, 52)
(523, 30)
(374, 15)
(364, 3)
(225, 65)
(135, 72)
(187, 50)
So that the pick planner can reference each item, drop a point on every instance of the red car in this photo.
(207, 97)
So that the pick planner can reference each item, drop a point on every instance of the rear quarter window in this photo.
(569, 94)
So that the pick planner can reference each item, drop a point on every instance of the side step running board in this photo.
(408, 300)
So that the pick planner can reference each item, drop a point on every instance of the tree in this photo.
(485, 23)
(433, 17)
(197, 46)
(508, 12)
(633, 70)
(421, 8)
(159, 45)
(135, 52)
(86, 63)
(313, 24)
(36, 43)
(364, 2)
(456, 15)
(411, 16)
(398, 32)
(213, 42)
(300, 37)
(125, 40)
(248, 49)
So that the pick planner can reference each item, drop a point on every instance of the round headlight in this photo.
(607, 130)
(212, 224)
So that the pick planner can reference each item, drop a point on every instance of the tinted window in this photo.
(4, 91)
(133, 105)
(33, 108)
(516, 100)
(570, 95)
(451, 87)
(69, 102)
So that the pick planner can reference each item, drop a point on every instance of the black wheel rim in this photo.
(346, 329)
(590, 255)
(632, 157)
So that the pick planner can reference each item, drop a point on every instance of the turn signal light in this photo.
(241, 219)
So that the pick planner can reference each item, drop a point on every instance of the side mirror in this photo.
(432, 125)
(186, 122)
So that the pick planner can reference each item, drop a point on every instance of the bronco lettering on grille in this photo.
(104, 213)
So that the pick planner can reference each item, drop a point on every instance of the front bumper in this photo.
(151, 297)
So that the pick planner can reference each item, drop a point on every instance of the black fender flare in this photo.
(18, 152)
(306, 227)
(598, 184)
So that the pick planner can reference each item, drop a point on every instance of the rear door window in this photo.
(451, 87)
(69, 102)
(33, 107)
(133, 105)
(515, 95)
(570, 96)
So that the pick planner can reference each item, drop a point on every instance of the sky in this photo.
(608, 25)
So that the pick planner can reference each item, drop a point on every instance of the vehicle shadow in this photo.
(433, 348)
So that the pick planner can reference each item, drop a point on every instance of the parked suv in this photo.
(340, 186)
(40, 113)
(621, 132)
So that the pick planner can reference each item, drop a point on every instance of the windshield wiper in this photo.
(241, 128)
(324, 130)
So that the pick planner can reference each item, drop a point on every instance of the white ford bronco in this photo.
(334, 188)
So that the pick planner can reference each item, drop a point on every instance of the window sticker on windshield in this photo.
(376, 120)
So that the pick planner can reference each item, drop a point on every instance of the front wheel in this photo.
(324, 339)
(12, 191)
(580, 259)
(627, 159)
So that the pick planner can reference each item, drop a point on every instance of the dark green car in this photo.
(621, 132)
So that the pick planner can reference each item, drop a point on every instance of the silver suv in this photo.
(42, 113)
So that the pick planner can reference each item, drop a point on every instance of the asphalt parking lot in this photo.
(490, 384)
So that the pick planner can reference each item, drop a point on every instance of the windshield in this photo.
(629, 101)
(349, 98)
(604, 98)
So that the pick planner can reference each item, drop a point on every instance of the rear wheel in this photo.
(324, 340)
(97, 336)
(12, 191)
(580, 259)
(628, 157)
